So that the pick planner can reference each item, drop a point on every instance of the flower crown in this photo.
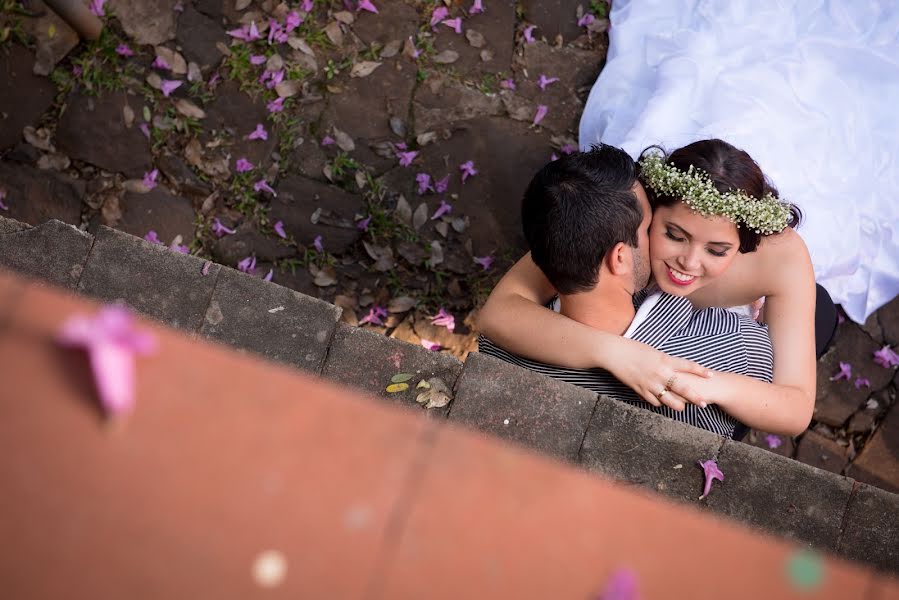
(766, 215)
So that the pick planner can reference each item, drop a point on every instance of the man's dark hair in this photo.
(575, 210)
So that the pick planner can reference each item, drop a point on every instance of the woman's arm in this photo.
(515, 319)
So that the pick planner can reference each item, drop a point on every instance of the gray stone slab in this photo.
(270, 320)
(367, 360)
(35, 196)
(636, 446)
(23, 95)
(163, 284)
(55, 252)
(871, 528)
(780, 495)
(522, 406)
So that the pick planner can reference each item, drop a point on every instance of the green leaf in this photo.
(401, 377)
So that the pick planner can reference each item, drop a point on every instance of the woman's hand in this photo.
(648, 372)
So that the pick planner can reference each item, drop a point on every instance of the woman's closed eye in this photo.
(671, 236)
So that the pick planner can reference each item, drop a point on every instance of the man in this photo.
(586, 218)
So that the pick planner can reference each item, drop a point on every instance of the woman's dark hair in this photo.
(730, 169)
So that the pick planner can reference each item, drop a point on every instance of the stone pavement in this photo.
(325, 203)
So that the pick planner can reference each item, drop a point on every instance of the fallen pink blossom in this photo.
(276, 105)
(152, 237)
(362, 225)
(220, 230)
(77, 70)
(275, 78)
(247, 265)
(97, 7)
(442, 184)
(712, 472)
(292, 21)
(443, 209)
(406, 158)
(397, 146)
(444, 319)
(528, 34)
(366, 5)
(247, 33)
(477, 7)
(545, 81)
(317, 244)
(307, 6)
(205, 269)
(507, 84)
(845, 372)
(375, 316)
(124, 50)
(485, 261)
(176, 247)
(263, 186)
(415, 51)
(257, 59)
(542, 109)
(861, 382)
(112, 342)
(243, 165)
(149, 179)
(429, 345)
(259, 133)
(213, 81)
(276, 32)
(773, 441)
(279, 229)
(439, 14)
(586, 20)
(424, 183)
(468, 170)
(327, 140)
(268, 276)
(161, 64)
(455, 24)
(168, 86)
(886, 357)
(144, 129)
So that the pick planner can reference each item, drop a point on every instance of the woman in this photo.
(700, 194)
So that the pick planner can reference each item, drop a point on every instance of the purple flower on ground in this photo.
(545, 81)
(366, 5)
(279, 229)
(375, 316)
(363, 224)
(477, 7)
(307, 6)
(442, 184)
(292, 21)
(415, 51)
(112, 343)
(327, 140)
(586, 20)
(124, 50)
(317, 244)
(247, 33)
(406, 158)
(152, 237)
(424, 183)
(243, 165)
(220, 230)
(247, 265)
(149, 179)
(213, 81)
(144, 129)
(886, 358)
(773, 441)
(429, 345)
(77, 71)
(97, 7)
(257, 59)
(528, 34)
(276, 33)
(507, 84)
(259, 133)
(276, 105)
(541, 112)
(175, 246)
(168, 86)
(268, 276)
(399, 146)
(205, 269)
(712, 472)
(275, 78)
(468, 170)
(161, 64)
(845, 372)
(622, 585)
(439, 14)
(179, 7)
(861, 382)
(456, 24)
(2, 197)
(263, 186)
(443, 209)
(485, 261)
(444, 319)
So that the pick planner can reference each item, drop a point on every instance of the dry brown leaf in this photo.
(420, 217)
(300, 44)
(323, 277)
(446, 57)
(193, 152)
(135, 186)
(128, 116)
(242, 4)
(55, 161)
(173, 58)
(334, 33)
(486, 55)
(442, 228)
(401, 304)
(345, 16)
(391, 49)
(403, 210)
(364, 68)
(398, 126)
(288, 88)
(154, 81)
(436, 257)
(274, 63)
(382, 255)
(39, 138)
(475, 38)
(344, 141)
(409, 48)
(361, 180)
(460, 224)
(111, 213)
(423, 139)
(437, 395)
(189, 109)
(194, 73)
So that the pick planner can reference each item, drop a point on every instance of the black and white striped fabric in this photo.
(716, 338)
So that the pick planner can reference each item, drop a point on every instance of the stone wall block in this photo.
(871, 528)
(54, 251)
(522, 406)
(161, 283)
(270, 320)
(368, 360)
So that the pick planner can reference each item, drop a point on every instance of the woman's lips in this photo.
(680, 282)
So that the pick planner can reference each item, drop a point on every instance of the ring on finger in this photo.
(662, 393)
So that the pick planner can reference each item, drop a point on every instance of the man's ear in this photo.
(619, 260)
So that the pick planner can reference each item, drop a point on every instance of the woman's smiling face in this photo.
(686, 250)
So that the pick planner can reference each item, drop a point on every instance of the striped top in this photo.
(716, 338)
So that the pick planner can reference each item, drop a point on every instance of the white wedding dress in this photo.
(810, 88)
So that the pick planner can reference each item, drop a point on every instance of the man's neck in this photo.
(609, 308)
